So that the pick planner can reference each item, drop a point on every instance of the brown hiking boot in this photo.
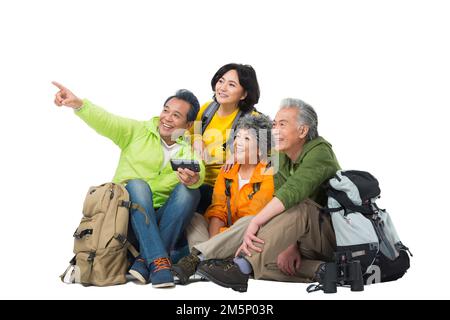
(186, 267)
(224, 273)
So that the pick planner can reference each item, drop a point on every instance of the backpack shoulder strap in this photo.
(347, 204)
(132, 205)
(228, 183)
(125, 242)
(208, 114)
(256, 188)
(233, 128)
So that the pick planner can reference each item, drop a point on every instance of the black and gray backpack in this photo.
(364, 232)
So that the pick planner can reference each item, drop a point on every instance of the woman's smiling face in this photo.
(246, 147)
(228, 90)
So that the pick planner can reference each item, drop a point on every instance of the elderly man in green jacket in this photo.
(288, 240)
(168, 197)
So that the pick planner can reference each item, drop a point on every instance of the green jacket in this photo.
(142, 153)
(294, 182)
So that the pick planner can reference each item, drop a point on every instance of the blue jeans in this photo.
(166, 225)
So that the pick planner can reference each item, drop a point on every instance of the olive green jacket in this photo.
(302, 179)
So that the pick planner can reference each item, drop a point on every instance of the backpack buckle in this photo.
(91, 257)
(121, 238)
(126, 204)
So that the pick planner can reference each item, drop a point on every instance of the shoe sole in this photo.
(197, 277)
(164, 285)
(181, 279)
(194, 278)
(138, 276)
(238, 288)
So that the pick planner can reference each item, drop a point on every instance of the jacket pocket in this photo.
(271, 266)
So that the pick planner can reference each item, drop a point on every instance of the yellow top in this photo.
(214, 137)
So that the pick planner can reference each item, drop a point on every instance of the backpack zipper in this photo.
(400, 246)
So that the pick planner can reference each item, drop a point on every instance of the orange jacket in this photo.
(241, 205)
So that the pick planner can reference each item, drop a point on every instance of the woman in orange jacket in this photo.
(251, 188)
(246, 188)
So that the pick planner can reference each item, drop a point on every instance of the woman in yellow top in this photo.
(236, 91)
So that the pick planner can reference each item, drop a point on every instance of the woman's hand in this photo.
(228, 165)
(249, 238)
(65, 97)
(229, 162)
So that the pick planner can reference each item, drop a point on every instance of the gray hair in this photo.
(306, 115)
(262, 126)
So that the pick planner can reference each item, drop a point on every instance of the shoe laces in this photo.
(230, 265)
(224, 264)
(162, 264)
(192, 260)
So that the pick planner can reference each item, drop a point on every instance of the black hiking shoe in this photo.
(186, 267)
(224, 273)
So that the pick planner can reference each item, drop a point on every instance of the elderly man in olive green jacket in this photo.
(288, 240)
(168, 197)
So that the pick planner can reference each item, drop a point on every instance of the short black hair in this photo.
(190, 98)
(247, 79)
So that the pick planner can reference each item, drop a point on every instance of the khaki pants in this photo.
(302, 224)
(197, 231)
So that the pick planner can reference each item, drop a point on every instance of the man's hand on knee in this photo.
(250, 239)
(289, 261)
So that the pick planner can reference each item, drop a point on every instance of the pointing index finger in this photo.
(58, 85)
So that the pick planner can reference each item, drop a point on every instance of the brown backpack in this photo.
(101, 238)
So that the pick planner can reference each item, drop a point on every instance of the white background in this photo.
(377, 73)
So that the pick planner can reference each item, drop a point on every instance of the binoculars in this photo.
(343, 272)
